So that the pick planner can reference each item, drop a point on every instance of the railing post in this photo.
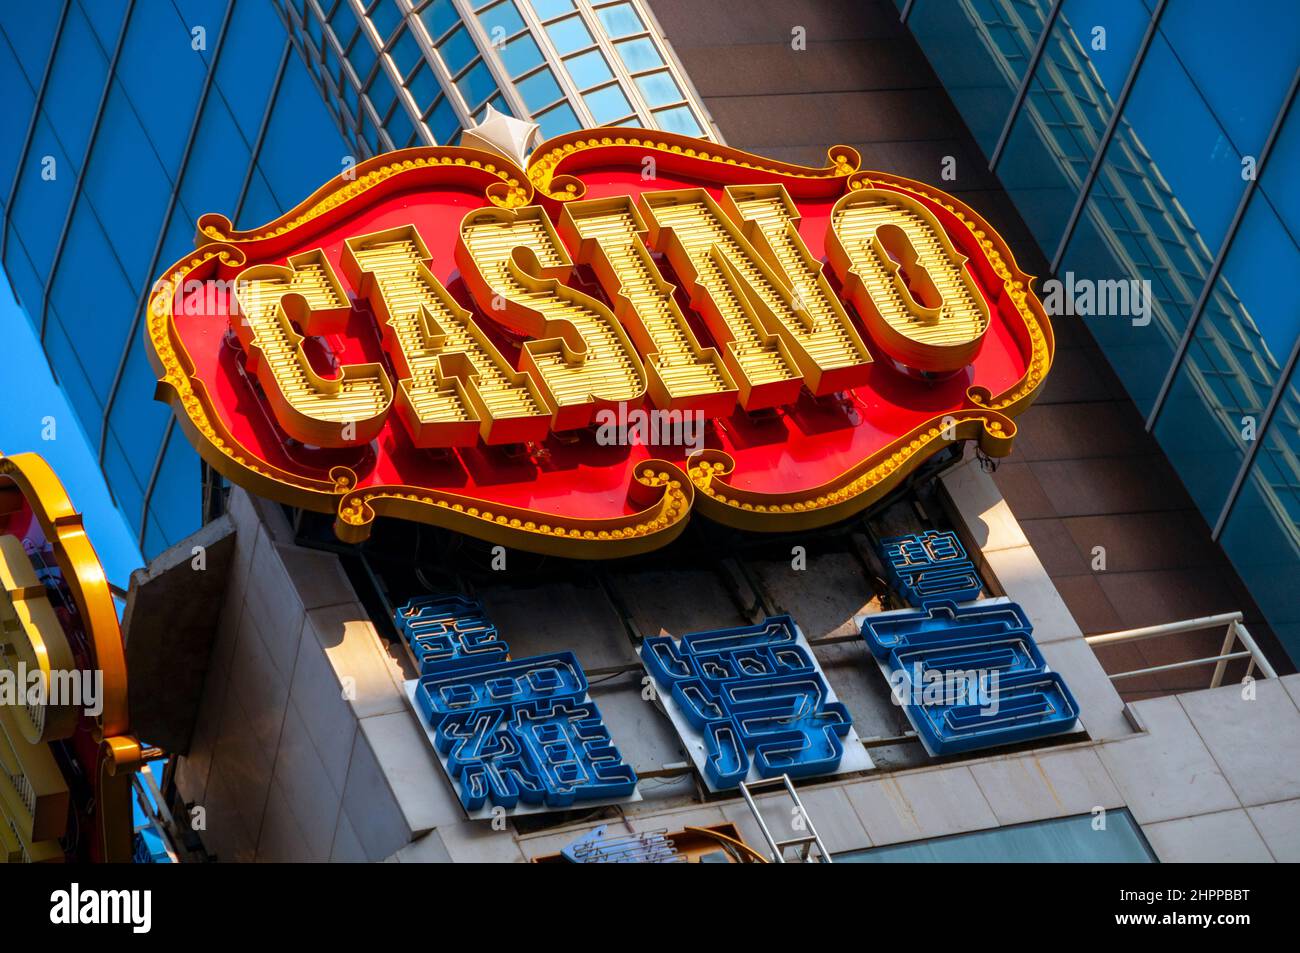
(1228, 639)
(1256, 655)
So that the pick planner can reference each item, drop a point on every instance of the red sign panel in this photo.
(573, 357)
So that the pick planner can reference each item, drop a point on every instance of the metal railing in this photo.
(1236, 632)
(803, 843)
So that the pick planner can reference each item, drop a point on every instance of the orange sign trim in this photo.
(121, 752)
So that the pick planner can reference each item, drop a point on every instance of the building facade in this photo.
(1065, 101)
(278, 677)
(1153, 141)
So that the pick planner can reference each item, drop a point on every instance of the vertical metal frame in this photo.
(1216, 268)
(683, 78)
(500, 75)
(1243, 472)
(1031, 67)
(153, 481)
(109, 76)
(37, 106)
(331, 87)
(1094, 168)
(262, 126)
(172, 200)
(1279, 389)
(141, 302)
(433, 58)
(572, 93)
(625, 78)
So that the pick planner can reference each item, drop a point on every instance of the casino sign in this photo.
(67, 753)
(443, 335)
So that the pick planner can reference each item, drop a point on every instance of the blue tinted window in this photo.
(1262, 534)
(1186, 145)
(1065, 112)
(162, 75)
(1166, 193)
(439, 17)
(351, 101)
(569, 35)
(458, 51)
(477, 85)
(362, 56)
(302, 148)
(639, 54)
(443, 123)
(201, 13)
(980, 50)
(95, 300)
(1113, 242)
(178, 242)
(75, 85)
(343, 22)
(551, 8)
(620, 20)
(1060, 840)
(137, 421)
(501, 21)
(520, 55)
(608, 104)
(105, 19)
(424, 87)
(381, 93)
(260, 206)
(1279, 182)
(589, 69)
(679, 119)
(122, 483)
(176, 500)
(27, 288)
(135, 212)
(15, 113)
(30, 27)
(558, 121)
(405, 52)
(72, 377)
(315, 31)
(1234, 361)
(659, 89)
(1241, 64)
(369, 133)
(217, 163)
(539, 90)
(254, 43)
(399, 127)
(385, 15)
(44, 191)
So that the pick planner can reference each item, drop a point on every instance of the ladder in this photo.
(778, 847)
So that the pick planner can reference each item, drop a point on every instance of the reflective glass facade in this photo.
(1151, 141)
(1063, 840)
(417, 72)
(131, 118)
